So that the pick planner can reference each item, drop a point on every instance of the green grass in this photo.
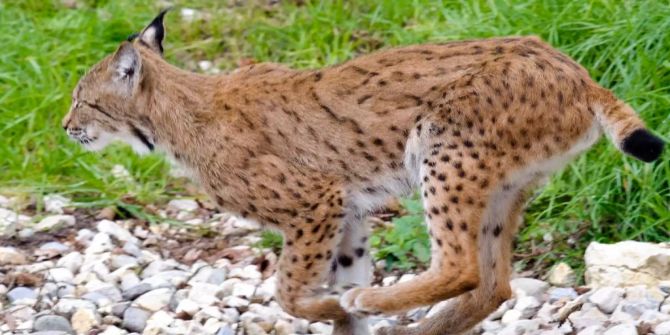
(602, 196)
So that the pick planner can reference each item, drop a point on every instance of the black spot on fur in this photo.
(345, 260)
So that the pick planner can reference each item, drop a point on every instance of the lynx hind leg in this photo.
(502, 217)
(453, 204)
(352, 267)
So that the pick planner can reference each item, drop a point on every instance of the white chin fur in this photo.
(105, 138)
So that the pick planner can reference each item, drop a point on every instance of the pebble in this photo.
(54, 222)
(11, 256)
(55, 246)
(135, 291)
(154, 300)
(60, 275)
(607, 298)
(529, 286)
(22, 296)
(100, 243)
(54, 203)
(53, 323)
(562, 275)
(135, 319)
(187, 205)
(511, 316)
(662, 328)
(67, 306)
(583, 319)
(320, 328)
(115, 230)
(528, 306)
(83, 320)
(623, 329)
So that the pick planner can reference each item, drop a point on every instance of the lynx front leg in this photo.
(453, 207)
(303, 274)
(352, 267)
(307, 207)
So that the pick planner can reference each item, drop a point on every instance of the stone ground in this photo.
(73, 273)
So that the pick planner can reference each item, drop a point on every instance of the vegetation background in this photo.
(48, 44)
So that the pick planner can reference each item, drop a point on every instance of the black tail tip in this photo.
(643, 145)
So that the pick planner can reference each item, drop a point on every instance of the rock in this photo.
(84, 320)
(10, 221)
(561, 293)
(119, 309)
(60, 275)
(100, 243)
(160, 320)
(607, 298)
(528, 306)
(113, 229)
(112, 330)
(226, 330)
(592, 330)
(186, 205)
(627, 263)
(562, 275)
(24, 234)
(235, 302)
(205, 65)
(54, 323)
(204, 294)
(511, 316)
(11, 256)
(136, 291)
(254, 329)
(54, 222)
(247, 272)
(244, 290)
(653, 317)
(157, 267)
(283, 327)
(132, 249)
(582, 319)
(135, 319)
(54, 203)
(320, 328)
(67, 306)
(22, 296)
(187, 306)
(121, 261)
(623, 329)
(266, 291)
(521, 327)
(529, 286)
(54, 246)
(662, 328)
(154, 300)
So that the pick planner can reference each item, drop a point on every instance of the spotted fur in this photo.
(473, 125)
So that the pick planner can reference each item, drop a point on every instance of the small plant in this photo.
(406, 245)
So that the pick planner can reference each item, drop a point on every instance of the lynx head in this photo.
(108, 102)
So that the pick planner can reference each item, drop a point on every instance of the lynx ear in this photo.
(125, 67)
(154, 33)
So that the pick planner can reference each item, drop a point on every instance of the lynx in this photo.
(473, 125)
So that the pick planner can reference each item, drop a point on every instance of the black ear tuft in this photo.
(154, 33)
(643, 145)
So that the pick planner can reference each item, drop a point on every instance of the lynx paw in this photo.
(359, 301)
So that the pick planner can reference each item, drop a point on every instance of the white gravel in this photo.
(118, 278)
